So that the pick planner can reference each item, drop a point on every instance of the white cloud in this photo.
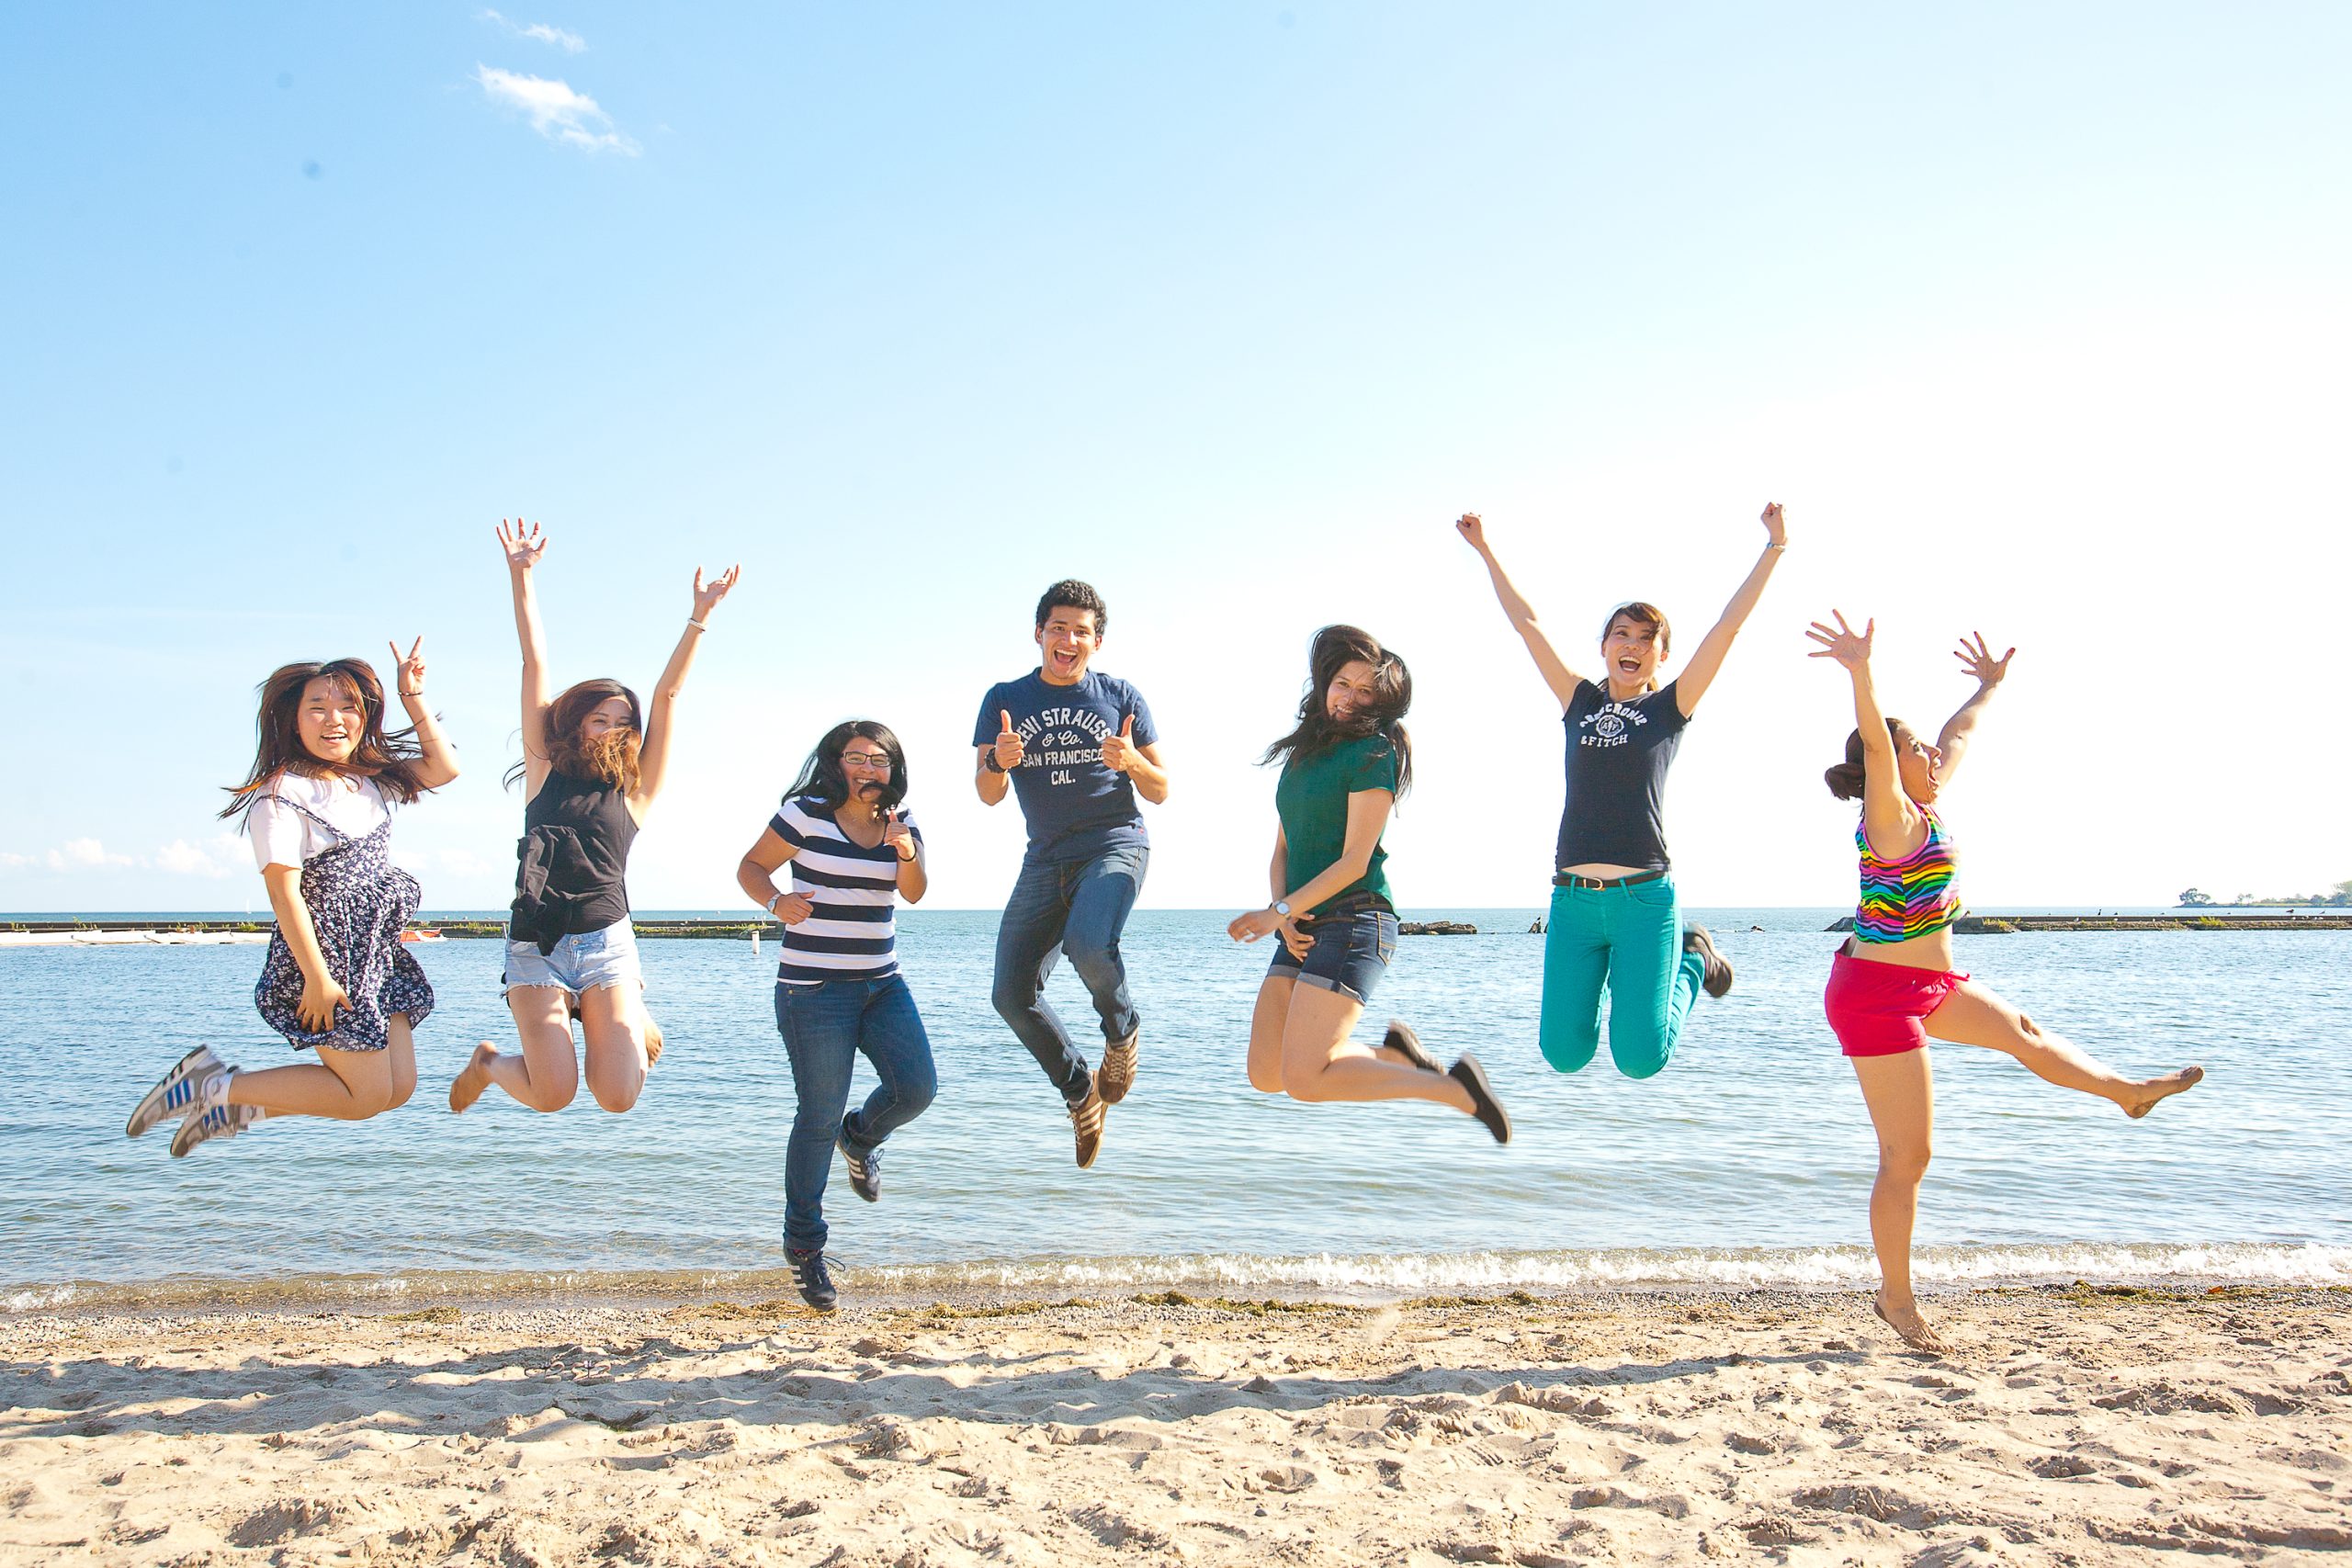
(562, 38)
(79, 852)
(215, 857)
(555, 110)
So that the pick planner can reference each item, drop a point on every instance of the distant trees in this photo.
(2338, 894)
(2193, 900)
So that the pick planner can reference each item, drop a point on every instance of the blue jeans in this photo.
(1623, 944)
(825, 1026)
(1079, 907)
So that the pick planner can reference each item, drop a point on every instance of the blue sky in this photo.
(2032, 316)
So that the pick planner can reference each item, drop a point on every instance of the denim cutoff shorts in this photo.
(1354, 940)
(580, 964)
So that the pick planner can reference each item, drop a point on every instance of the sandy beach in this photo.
(2070, 1426)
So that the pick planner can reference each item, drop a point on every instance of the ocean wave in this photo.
(1362, 1277)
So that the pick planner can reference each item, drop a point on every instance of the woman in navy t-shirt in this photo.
(1615, 929)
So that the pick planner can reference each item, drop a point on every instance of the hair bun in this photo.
(1845, 780)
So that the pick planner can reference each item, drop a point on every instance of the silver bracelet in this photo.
(696, 625)
(1781, 546)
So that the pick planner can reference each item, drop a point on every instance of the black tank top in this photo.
(573, 859)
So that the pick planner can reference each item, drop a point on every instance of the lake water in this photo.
(1748, 1160)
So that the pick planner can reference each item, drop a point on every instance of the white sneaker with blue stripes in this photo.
(180, 1092)
(220, 1121)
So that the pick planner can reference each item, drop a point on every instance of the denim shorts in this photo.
(580, 964)
(1354, 940)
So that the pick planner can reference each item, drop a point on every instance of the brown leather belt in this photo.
(1569, 879)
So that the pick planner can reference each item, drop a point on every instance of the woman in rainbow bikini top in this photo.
(1893, 985)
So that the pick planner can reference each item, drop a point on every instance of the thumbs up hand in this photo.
(1009, 750)
(1120, 751)
(900, 837)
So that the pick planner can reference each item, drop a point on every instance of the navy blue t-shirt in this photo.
(1618, 755)
(1075, 807)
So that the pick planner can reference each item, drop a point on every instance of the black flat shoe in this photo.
(1716, 980)
(1483, 1103)
(1403, 1041)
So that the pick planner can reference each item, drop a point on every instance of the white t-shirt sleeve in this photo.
(277, 831)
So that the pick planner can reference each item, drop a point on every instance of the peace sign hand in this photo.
(1847, 646)
(1120, 751)
(408, 673)
(706, 598)
(524, 548)
(1979, 662)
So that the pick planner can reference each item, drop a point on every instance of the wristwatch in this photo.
(989, 762)
(1280, 907)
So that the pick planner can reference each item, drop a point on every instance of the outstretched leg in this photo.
(1901, 1095)
(1575, 978)
(1974, 1015)
(545, 1074)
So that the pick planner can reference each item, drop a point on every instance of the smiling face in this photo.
(1353, 689)
(332, 718)
(1917, 765)
(1631, 650)
(613, 713)
(865, 764)
(1068, 640)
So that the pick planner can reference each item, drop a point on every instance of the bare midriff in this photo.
(1930, 952)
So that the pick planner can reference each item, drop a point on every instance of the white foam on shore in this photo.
(1363, 1277)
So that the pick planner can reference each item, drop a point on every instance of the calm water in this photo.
(1748, 1160)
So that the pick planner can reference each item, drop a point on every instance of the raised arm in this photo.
(1562, 681)
(1894, 824)
(523, 547)
(1006, 750)
(1699, 672)
(1989, 672)
(439, 764)
(653, 757)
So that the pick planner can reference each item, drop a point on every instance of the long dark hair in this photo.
(1333, 649)
(823, 778)
(390, 759)
(1846, 779)
(612, 761)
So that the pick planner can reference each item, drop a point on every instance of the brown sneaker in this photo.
(1117, 1073)
(1086, 1119)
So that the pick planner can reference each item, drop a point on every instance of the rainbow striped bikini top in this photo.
(1917, 896)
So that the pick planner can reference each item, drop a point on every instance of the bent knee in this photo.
(616, 1095)
(548, 1101)
(399, 1094)
(2028, 1028)
(1013, 1003)
(1305, 1084)
(915, 1097)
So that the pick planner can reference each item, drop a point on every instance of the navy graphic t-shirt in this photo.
(1618, 755)
(1075, 807)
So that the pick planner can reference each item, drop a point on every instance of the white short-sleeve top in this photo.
(285, 837)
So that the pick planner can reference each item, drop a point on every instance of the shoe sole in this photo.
(1401, 1038)
(873, 1197)
(1716, 976)
(1470, 1068)
(152, 1112)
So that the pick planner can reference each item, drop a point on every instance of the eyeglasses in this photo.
(866, 759)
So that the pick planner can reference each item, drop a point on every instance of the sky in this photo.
(2033, 317)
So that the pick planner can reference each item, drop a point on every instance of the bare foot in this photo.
(467, 1086)
(2155, 1089)
(652, 1043)
(1907, 1322)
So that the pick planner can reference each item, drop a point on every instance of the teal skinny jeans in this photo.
(1623, 945)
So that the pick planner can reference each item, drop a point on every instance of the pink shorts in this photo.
(1881, 1009)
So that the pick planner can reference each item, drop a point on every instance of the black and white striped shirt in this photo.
(852, 933)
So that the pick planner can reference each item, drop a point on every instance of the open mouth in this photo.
(1629, 668)
(1063, 662)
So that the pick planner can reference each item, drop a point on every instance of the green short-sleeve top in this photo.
(1312, 801)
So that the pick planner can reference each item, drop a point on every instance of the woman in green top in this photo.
(1343, 768)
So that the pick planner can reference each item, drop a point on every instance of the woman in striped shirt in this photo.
(854, 854)
(1892, 984)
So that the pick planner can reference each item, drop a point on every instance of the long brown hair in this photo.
(1641, 612)
(1334, 648)
(390, 759)
(612, 761)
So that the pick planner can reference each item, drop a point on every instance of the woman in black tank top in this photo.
(592, 763)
